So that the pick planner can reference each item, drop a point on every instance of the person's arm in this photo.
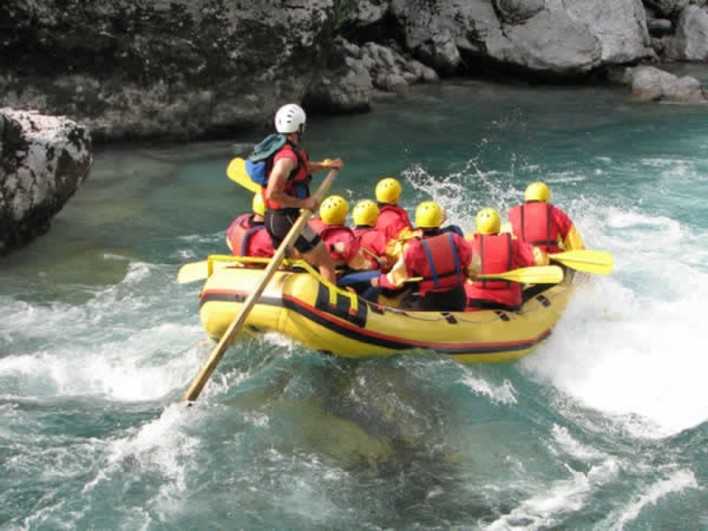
(276, 187)
(326, 164)
(526, 255)
(572, 240)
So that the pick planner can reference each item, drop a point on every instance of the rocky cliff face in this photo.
(43, 160)
(190, 68)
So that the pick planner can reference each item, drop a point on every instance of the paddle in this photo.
(194, 271)
(235, 327)
(596, 262)
(528, 275)
(236, 171)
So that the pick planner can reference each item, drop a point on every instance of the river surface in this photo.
(604, 426)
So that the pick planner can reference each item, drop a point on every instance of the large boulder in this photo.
(43, 160)
(690, 42)
(141, 68)
(552, 37)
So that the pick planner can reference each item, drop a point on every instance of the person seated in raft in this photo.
(371, 241)
(392, 218)
(495, 252)
(247, 236)
(339, 240)
(441, 259)
(542, 224)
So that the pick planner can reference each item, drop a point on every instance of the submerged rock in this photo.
(43, 160)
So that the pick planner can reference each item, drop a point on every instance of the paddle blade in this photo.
(236, 171)
(195, 271)
(587, 261)
(529, 275)
(192, 272)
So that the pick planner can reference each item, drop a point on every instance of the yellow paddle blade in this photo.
(528, 275)
(236, 171)
(587, 261)
(197, 271)
(194, 271)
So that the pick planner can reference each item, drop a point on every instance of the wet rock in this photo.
(652, 84)
(43, 160)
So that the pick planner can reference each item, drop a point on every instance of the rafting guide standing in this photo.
(286, 189)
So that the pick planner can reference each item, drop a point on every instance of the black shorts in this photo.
(279, 222)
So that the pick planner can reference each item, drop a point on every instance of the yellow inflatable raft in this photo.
(301, 305)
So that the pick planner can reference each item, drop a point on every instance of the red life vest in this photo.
(374, 242)
(247, 238)
(333, 234)
(392, 220)
(299, 179)
(533, 223)
(496, 255)
(443, 268)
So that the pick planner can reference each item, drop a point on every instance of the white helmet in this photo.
(290, 118)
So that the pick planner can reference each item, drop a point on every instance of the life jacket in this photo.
(443, 268)
(298, 183)
(496, 255)
(332, 234)
(533, 223)
(374, 242)
(242, 233)
(392, 220)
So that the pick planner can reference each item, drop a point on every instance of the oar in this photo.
(528, 275)
(234, 328)
(596, 262)
(236, 171)
(194, 271)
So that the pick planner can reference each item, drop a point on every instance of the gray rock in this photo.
(43, 160)
(518, 11)
(667, 7)
(691, 40)
(563, 38)
(660, 26)
(347, 89)
(652, 84)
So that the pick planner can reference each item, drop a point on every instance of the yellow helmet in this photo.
(429, 215)
(488, 221)
(537, 191)
(257, 205)
(334, 210)
(365, 213)
(388, 191)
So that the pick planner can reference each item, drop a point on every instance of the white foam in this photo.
(678, 481)
(570, 446)
(633, 344)
(502, 394)
(560, 498)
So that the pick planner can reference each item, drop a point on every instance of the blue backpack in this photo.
(259, 162)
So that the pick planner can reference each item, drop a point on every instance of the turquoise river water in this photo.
(605, 426)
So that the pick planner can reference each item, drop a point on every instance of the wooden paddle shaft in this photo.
(200, 380)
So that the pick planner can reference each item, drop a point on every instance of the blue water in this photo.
(605, 426)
